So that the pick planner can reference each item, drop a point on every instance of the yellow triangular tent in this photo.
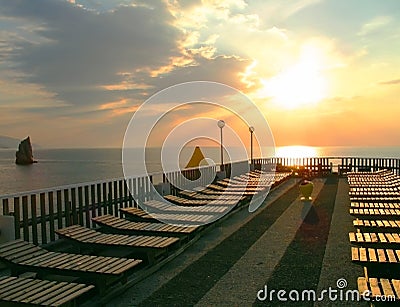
(196, 158)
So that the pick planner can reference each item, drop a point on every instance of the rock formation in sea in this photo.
(197, 159)
(24, 155)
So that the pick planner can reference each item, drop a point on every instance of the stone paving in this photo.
(286, 245)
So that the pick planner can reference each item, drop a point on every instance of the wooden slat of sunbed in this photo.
(374, 286)
(118, 268)
(56, 261)
(379, 287)
(82, 258)
(75, 265)
(143, 240)
(362, 285)
(363, 254)
(11, 287)
(391, 256)
(90, 263)
(31, 288)
(114, 240)
(7, 246)
(372, 255)
(161, 242)
(151, 241)
(380, 225)
(396, 238)
(386, 287)
(158, 242)
(104, 239)
(396, 287)
(374, 237)
(355, 254)
(384, 223)
(127, 226)
(97, 266)
(39, 292)
(393, 224)
(22, 286)
(109, 219)
(381, 255)
(34, 257)
(125, 240)
(161, 207)
(382, 238)
(17, 246)
(62, 296)
(77, 262)
(20, 252)
(144, 226)
(150, 226)
(136, 211)
(83, 233)
(112, 266)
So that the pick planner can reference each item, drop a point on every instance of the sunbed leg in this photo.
(124, 279)
(101, 286)
(16, 271)
(151, 258)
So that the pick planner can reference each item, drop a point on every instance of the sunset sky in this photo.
(322, 72)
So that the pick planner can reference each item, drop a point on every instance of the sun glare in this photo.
(296, 151)
(300, 85)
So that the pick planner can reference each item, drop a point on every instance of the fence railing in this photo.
(37, 214)
(322, 165)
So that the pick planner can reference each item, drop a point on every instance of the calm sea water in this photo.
(68, 166)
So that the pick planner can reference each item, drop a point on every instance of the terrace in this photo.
(286, 244)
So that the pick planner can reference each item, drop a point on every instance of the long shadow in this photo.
(300, 267)
(189, 286)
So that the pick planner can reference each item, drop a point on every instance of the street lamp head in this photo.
(251, 129)
(221, 124)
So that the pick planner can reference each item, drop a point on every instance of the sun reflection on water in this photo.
(296, 152)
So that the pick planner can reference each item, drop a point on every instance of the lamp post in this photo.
(221, 124)
(251, 129)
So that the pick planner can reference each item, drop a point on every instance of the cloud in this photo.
(294, 7)
(87, 57)
(390, 82)
(87, 50)
(271, 12)
(374, 25)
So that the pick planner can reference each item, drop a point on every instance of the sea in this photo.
(59, 167)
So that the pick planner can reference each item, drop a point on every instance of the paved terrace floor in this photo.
(286, 244)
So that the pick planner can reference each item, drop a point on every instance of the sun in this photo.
(300, 85)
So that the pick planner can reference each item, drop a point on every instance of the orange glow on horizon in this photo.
(296, 151)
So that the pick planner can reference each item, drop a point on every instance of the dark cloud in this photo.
(85, 49)
(75, 51)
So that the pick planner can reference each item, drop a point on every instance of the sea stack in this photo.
(24, 155)
(197, 159)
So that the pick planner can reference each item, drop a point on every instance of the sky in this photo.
(322, 72)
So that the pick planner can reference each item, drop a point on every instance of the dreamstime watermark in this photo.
(338, 293)
(189, 114)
